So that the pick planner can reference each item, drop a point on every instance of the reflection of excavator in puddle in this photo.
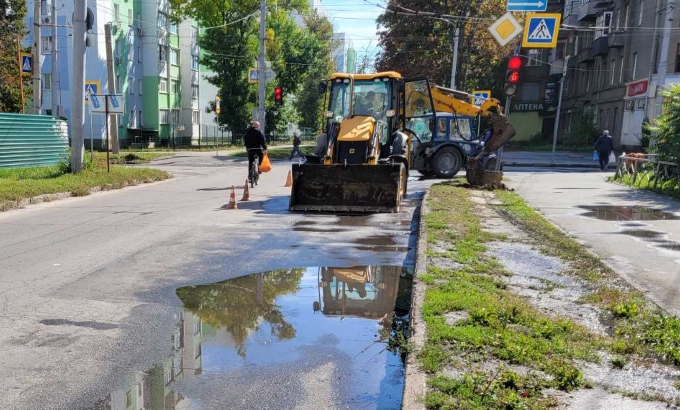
(368, 147)
(366, 291)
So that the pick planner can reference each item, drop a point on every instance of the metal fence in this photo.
(648, 171)
(32, 140)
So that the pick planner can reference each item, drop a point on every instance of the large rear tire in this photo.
(447, 162)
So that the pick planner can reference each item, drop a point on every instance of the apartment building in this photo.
(615, 51)
(156, 68)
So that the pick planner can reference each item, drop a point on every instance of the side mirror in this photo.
(322, 87)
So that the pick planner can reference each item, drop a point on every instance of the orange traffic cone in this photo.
(246, 193)
(232, 198)
(289, 179)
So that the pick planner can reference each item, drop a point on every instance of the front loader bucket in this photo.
(503, 132)
(351, 188)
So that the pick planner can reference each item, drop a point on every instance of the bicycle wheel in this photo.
(251, 175)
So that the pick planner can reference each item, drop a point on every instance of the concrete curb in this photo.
(548, 165)
(415, 384)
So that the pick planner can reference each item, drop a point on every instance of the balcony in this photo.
(599, 47)
(584, 56)
(616, 40)
(590, 10)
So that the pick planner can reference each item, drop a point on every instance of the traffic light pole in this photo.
(78, 85)
(262, 70)
(558, 114)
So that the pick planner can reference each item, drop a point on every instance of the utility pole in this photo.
(262, 70)
(78, 85)
(454, 63)
(112, 127)
(559, 104)
(663, 57)
(37, 50)
(56, 85)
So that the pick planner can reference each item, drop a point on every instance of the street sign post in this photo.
(106, 104)
(541, 30)
(527, 5)
(479, 96)
(505, 29)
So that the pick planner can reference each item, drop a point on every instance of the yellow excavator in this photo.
(364, 156)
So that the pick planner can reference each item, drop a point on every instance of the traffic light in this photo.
(512, 76)
(278, 95)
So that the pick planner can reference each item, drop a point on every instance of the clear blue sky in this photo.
(357, 19)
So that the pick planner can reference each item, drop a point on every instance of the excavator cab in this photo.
(363, 157)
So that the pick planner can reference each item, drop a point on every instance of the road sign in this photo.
(26, 63)
(527, 5)
(115, 103)
(253, 74)
(479, 96)
(505, 29)
(541, 30)
(91, 87)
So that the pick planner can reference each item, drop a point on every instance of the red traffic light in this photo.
(513, 77)
(278, 94)
(515, 63)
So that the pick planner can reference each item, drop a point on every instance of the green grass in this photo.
(278, 153)
(638, 326)
(668, 188)
(18, 184)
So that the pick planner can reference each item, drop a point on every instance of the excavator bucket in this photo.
(346, 188)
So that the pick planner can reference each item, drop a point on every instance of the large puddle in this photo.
(292, 338)
(626, 213)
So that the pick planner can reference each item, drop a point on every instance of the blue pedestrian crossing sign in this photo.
(91, 88)
(478, 97)
(527, 5)
(541, 30)
(26, 63)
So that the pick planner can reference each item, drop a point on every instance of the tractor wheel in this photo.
(447, 162)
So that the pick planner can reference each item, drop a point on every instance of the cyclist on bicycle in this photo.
(255, 144)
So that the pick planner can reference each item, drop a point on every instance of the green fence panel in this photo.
(32, 140)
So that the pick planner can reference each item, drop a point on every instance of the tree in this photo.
(420, 46)
(12, 13)
(665, 131)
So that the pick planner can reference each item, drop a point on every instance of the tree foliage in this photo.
(230, 45)
(419, 46)
(12, 13)
(665, 132)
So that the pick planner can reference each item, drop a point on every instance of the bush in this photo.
(666, 131)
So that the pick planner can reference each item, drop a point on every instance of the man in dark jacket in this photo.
(255, 144)
(296, 147)
(604, 147)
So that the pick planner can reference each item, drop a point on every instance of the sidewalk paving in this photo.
(548, 159)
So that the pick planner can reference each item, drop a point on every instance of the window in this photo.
(194, 35)
(604, 20)
(642, 13)
(530, 91)
(162, 53)
(119, 83)
(140, 389)
(163, 85)
(128, 398)
(174, 56)
(603, 76)
(130, 17)
(47, 81)
(131, 119)
(194, 91)
(613, 77)
(618, 19)
(139, 54)
(139, 118)
(116, 12)
(139, 87)
(175, 120)
(174, 86)
(197, 322)
(172, 28)
(534, 57)
(167, 377)
(162, 20)
(194, 63)
(164, 116)
(46, 43)
(627, 17)
(677, 57)
(131, 51)
(621, 70)
(634, 66)
(131, 85)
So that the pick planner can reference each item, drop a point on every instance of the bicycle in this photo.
(254, 171)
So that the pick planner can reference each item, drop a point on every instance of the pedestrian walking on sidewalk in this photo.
(604, 147)
(296, 147)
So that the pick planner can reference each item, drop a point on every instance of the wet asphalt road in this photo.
(88, 285)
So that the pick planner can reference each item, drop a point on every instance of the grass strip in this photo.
(638, 325)
(278, 153)
(18, 184)
(489, 322)
(668, 188)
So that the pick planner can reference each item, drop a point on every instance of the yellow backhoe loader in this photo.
(368, 148)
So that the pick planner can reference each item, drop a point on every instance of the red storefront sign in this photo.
(636, 88)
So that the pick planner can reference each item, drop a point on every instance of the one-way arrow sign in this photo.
(524, 5)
